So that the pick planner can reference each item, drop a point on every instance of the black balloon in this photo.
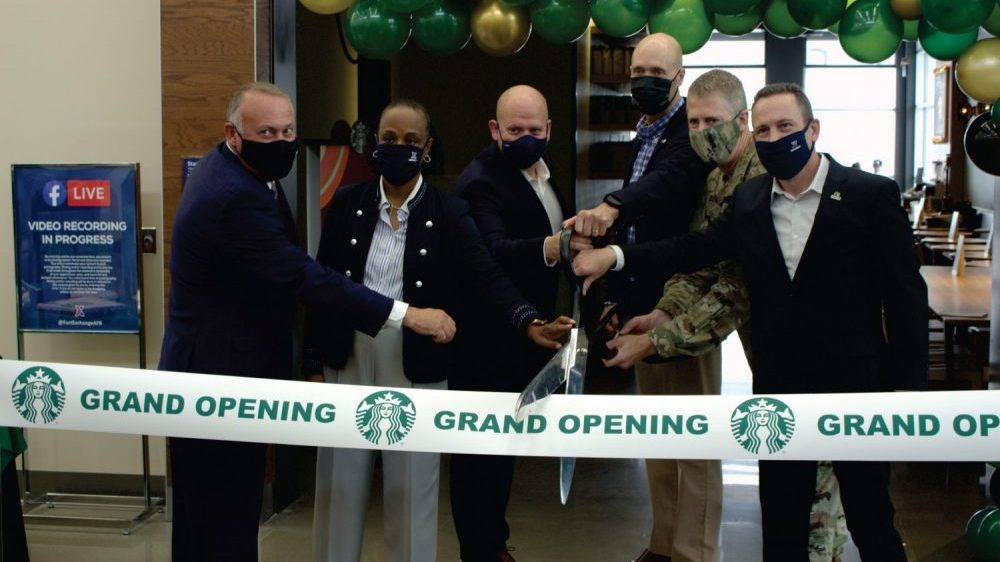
(982, 143)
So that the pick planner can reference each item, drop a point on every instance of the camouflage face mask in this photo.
(716, 144)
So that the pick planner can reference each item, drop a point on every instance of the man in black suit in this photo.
(663, 187)
(236, 274)
(665, 179)
(837, 300)
(518, 209)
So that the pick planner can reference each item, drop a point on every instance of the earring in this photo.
(427, 158)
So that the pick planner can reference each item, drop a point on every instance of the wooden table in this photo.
(958, 301)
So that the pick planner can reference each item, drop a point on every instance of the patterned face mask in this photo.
(716, 144)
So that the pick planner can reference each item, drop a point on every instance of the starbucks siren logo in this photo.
(385, 418)
(763, 425)
(39, 395)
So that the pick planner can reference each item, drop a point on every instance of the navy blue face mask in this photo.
(785, 157)
(398, 163)
(525, 151)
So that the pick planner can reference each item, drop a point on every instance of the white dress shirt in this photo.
(793, 219)
(538, 175)
(794, 216)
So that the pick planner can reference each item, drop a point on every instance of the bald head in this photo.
(661, 50)
(522, 100)
(521, 110)
(658, 56)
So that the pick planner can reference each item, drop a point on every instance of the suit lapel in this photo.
(286, 212)
(826, 217)
(765, 224)
(522, 192)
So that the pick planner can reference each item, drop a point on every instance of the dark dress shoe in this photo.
(648, 556)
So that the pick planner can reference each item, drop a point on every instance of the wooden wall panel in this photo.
(207, 51)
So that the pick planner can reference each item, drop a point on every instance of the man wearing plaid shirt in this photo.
(663, 188)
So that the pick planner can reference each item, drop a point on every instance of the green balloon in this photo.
(375, 32)
(732, 7)
(972, 529)
(942, 45)
(741, 24)
(560, 21)
(816, 14)
(779, 21)
(995, 116)
(404, 6)
(442, 26)
(684, 20)
(986, 539)
(620, 18)
(911, 29)
(956, 16)
(870, 31)
(992, 23)
(835, 27)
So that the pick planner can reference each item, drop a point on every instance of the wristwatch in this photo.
(615, 202)
(538, 322)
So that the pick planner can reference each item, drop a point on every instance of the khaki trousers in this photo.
(686, 495)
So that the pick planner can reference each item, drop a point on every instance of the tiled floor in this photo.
(606, 519)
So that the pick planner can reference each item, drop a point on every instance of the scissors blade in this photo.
(547, 381)
(574, 385)
(566, 467)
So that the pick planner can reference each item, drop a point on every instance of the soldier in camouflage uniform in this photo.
(697, 311)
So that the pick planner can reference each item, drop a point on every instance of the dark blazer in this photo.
(514, 225)
(236, 273)
(823, 330)
(444, 259)
(660, 204)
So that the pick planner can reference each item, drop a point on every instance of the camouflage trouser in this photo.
(827, 524)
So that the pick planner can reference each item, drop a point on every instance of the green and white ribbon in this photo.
(923, 426)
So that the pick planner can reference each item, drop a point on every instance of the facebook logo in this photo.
(54, 193)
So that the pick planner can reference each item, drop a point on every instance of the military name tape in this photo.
(953, 425)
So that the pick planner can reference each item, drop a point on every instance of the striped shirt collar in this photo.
(411, 200)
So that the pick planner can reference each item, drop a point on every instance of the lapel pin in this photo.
(835, 196)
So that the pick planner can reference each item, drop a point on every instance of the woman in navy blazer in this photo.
(400, 236)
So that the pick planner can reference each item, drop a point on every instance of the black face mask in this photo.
(651, 94)
(272, 160)
(525, 151)
(398, 163)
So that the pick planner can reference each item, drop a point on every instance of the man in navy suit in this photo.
(236, 275)
(837, 300)
(518, 210)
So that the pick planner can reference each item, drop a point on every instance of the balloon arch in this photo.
(870, 31)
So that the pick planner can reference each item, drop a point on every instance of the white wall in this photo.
(80, 83)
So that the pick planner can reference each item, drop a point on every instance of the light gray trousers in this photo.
(344, 476)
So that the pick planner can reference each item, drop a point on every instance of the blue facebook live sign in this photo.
(77, 250)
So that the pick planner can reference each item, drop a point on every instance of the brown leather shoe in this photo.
(648, 556)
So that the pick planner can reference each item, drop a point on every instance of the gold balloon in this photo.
(906, 9)
(500, 29)
(327, 7)
(978, 70)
